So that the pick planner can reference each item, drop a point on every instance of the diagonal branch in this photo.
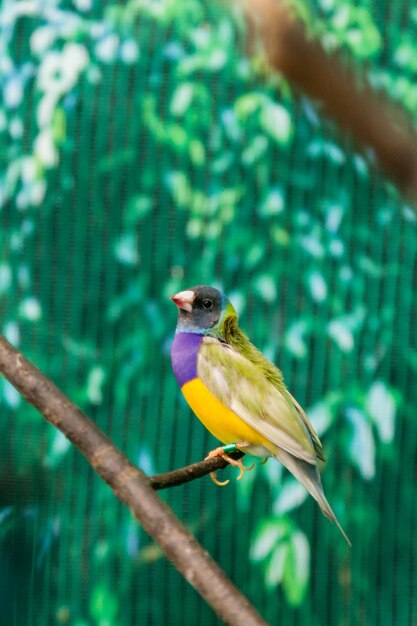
(346, 95)
(131, 487)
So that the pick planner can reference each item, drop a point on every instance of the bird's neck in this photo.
(237, 339)
(229, 332)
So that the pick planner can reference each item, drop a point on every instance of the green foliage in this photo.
(104, 606)
(284, 553)
(141, 152)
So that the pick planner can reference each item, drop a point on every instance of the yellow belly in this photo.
(223, 423)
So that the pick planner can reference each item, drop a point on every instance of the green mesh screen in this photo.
(141, 153)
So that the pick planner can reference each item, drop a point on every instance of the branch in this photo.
(345, 94)
(190, 472)
(131, 487)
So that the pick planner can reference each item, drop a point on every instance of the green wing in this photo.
(316, 441)
(269, 409)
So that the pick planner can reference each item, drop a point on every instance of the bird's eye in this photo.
(207, 304)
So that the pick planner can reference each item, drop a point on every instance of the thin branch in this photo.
(347, 97)
(190, 472)
(132, 488)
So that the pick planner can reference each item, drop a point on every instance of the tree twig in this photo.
(190, 472)
(132, 488)
(345, 94)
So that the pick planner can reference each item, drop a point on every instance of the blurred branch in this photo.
(372, 120)
(190, 472)
(131, 487)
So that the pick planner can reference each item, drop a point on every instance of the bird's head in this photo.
(204, 310)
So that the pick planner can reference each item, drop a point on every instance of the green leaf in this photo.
(10, 395)
(381, 406)
(276, 122)
(321, 416)
(362, 444)
(274, 570)
(317, 286)
(269, 533)
(296, 572)
(30, 309)
(180, 188)
(280, 236)
(273, 203)
(58, 447)
(197, 152)
(294, 339)
(266, 287)
(137, 208)
(95, 382)
(177, 136)
(104, 605)
(59, 125)
(181, 99)
(126, 249)
(341, 334)
(12, 332)
(291, 495)
(255, 149)
(247, 104)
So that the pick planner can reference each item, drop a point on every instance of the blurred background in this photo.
(142, 152)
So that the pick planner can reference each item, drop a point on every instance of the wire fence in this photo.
(142, 152)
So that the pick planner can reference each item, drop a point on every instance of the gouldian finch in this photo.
(239, 395)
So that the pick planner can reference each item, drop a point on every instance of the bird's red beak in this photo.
(184, 300)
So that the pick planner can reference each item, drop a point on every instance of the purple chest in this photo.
(184, 353)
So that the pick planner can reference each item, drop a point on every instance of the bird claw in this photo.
(242, 468)
(219, 483)
(235, 462)
(265, 460)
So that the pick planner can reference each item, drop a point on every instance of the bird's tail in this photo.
(309, 476)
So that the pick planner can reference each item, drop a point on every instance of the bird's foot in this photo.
(223, 452)
(265, 460)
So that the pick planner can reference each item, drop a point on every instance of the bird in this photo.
(238, 394)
